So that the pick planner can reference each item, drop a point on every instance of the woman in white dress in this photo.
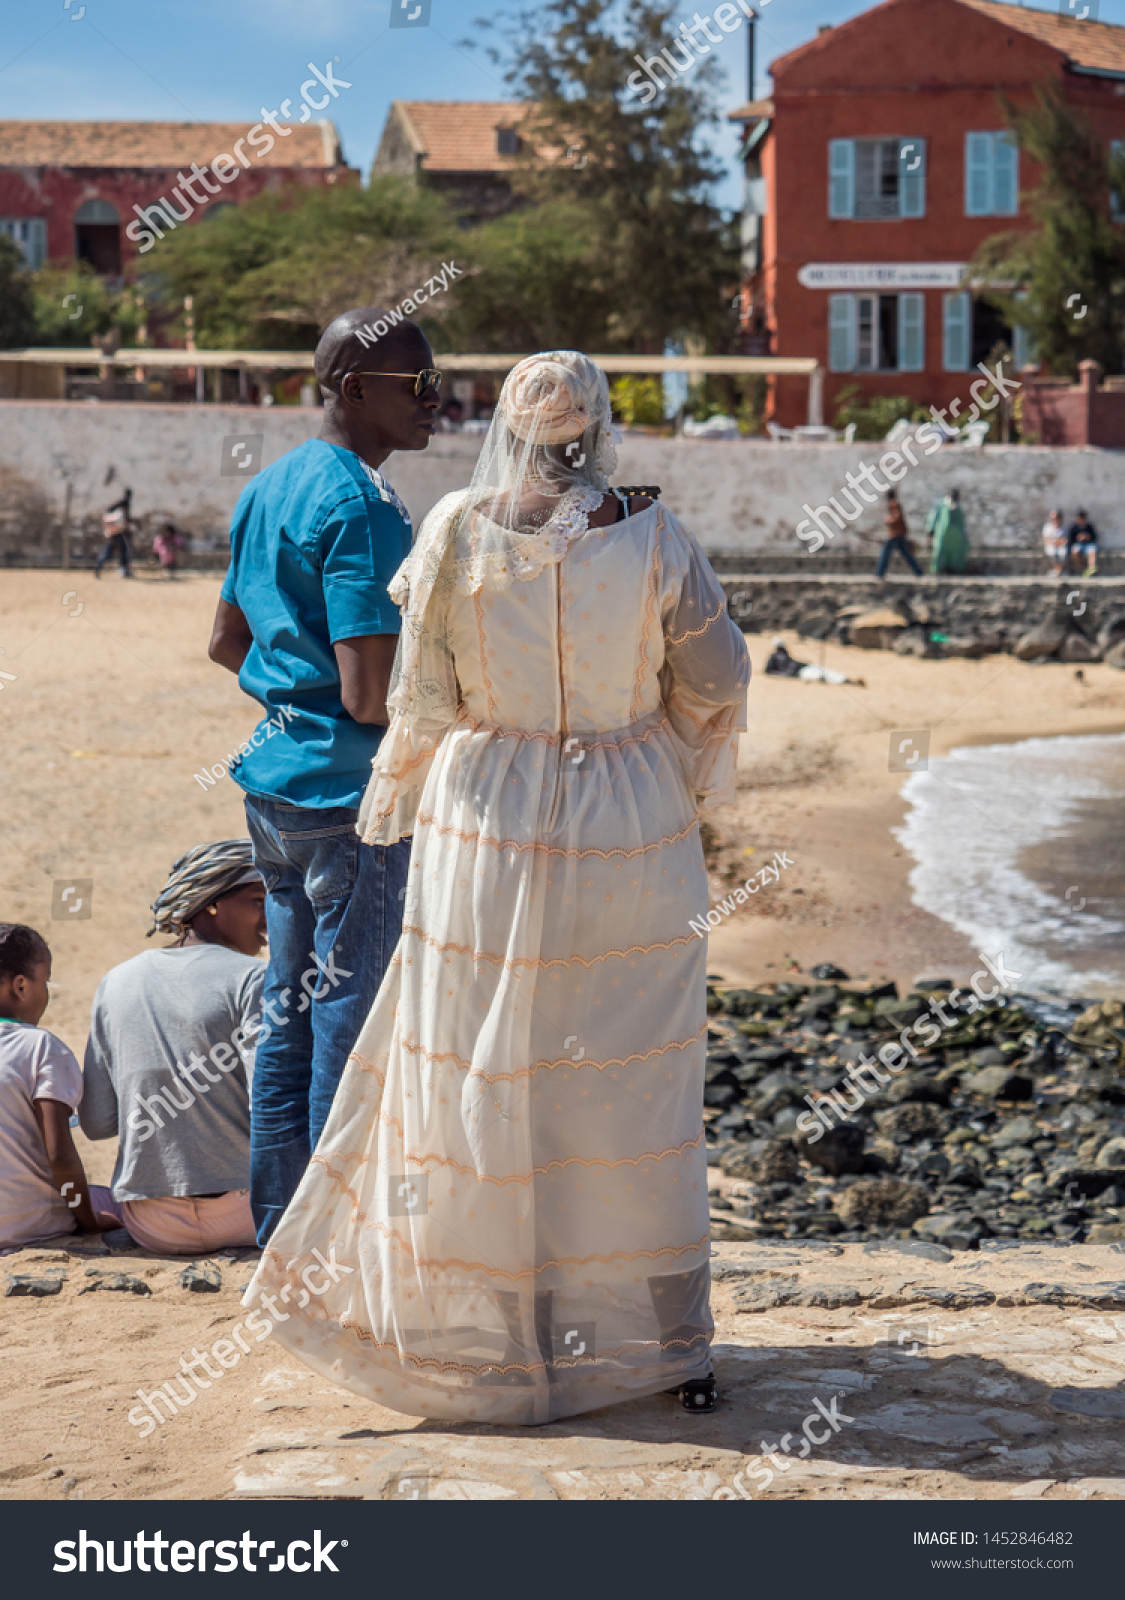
(511, 1189)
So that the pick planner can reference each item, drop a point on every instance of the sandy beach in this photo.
(109, 707)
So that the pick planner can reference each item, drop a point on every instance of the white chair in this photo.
(848, 434)
(814, 433)
(974, 434)
(719, 427)
(901, 428)
(780, 435)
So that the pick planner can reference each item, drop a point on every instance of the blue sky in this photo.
(221, 60)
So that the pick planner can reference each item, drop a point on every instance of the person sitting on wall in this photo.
(1082, 542)
(170, 1056)
(1055, 543)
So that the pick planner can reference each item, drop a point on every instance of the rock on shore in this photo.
(1009, 1125)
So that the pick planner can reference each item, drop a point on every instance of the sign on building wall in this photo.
(882, 274)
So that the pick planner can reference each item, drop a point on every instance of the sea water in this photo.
(1021, 847)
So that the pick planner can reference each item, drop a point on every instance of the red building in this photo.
(103, 191)
(875, 170)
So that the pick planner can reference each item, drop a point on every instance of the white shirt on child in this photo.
(34, 1065)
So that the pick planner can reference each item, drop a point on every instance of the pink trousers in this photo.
(182, 1225)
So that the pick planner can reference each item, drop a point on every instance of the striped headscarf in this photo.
(201, 876)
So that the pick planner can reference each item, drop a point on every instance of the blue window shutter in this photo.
(911, 333)
(978, 175)
(841, 177)
(841, 332)
(957, 329)
(1005, 175)
(912, 177)
(1023, 350)
(1116, 207)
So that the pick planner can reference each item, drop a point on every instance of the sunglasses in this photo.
(428, 378)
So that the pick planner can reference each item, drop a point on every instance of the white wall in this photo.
(737, 496)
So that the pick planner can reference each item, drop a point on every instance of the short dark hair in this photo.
(1081, 511)
(21, 950)
(892, 494)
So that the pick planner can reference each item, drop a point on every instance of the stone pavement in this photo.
(997, 1375)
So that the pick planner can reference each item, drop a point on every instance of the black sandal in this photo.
(697, 1394)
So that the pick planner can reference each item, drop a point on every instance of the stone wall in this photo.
(742, 498)
(1070, 619)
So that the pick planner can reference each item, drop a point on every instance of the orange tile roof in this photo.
(460, 135)
(160, 144)
(1097, 45)
(752, 111)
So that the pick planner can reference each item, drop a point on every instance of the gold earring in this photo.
(213, 911)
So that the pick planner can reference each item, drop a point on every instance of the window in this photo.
(876, 332)
(991, 175)
(97, 236)
(956, 331)
(972, 329)
(1117, 195)
(873, 179)
(508, 142)
(30, 233)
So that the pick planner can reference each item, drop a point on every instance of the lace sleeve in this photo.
(425, 695)
(706, 667)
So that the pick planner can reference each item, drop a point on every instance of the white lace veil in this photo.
(544, 466)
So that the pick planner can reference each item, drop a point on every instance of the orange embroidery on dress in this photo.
(451, 1263)
(367, 1066)
(427, 821)
(694, 633)
(540, 961)
(419, 1158)
(414, 1048)
(479, 611)
(415, 761)
(649, 619)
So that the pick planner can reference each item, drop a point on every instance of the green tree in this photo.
(272, 273)
(539, 283)
(1064, 282)
(17, 311)
(664, 259)
(73, 306)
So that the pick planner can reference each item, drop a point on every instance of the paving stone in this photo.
(1090, 1402)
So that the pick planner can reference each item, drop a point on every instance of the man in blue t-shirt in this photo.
(306, 622)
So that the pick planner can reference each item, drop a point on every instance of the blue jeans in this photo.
(904, 551)
(334, 916)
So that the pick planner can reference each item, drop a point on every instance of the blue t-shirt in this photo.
(314, 541)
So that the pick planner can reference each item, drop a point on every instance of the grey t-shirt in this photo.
(168, 1068)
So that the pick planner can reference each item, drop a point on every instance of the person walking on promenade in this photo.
(946, 526)
(511, 1189)
(306, 621)
(116, 525)
(897, 539)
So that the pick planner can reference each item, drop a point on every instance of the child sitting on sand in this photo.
(43, 1188)
(170, 1054)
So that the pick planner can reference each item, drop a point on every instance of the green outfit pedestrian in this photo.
(946, 525)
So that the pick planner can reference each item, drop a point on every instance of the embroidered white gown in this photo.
(512, 1184)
